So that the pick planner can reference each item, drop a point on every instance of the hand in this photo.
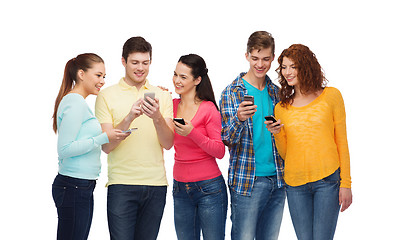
(345, 198)
(274, 128)
(151, 110)
(246, 110)
(135, 110)
(116, 134)
(183, 130)
(164, 89)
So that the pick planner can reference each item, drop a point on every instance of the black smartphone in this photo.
(271, 118)
(249, 98)
(179, 120)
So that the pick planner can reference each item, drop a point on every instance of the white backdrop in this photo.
(356, 42)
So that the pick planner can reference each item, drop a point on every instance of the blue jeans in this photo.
(258, 216)
(74, 201)
(314, 208)
(134, 211)
(200, 205)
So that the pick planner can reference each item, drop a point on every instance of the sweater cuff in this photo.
(101, 139)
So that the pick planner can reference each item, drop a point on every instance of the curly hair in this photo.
(309, 73)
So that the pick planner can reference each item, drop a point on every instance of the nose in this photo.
(286, 71)
(140, 66)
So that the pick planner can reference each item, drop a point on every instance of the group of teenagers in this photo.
(288, 141)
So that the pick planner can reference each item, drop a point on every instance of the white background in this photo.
(356, 42)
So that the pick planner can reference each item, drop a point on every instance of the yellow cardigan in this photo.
(313, 140)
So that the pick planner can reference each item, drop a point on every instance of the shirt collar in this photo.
(125, 86)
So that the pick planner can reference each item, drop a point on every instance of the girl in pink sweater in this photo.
(199, 190)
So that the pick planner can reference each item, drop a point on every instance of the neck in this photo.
(189, 98)
(258, 83)
(131, 83)
(80, 91)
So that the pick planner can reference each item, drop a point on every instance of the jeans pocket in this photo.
(212, 187)
(58, 193)
(333, 178)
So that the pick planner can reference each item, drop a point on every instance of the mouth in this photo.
(178, 86)
(139, 74)
(290, 79)
(259, 70)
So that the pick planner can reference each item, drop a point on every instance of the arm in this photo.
(71, 122)
(345, 192)
(114, 133)
(210, 143)
(341, 140)
(232, 125)
(279, 134)
(163, 126)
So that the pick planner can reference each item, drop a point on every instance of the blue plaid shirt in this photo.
(238, 136)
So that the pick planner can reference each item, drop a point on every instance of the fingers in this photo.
(246, 111)
(345, 198)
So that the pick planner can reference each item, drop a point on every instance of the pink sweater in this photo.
(195, 154)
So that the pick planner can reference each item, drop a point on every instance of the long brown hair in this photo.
(309, 73)
(199, 68)
(83, 62)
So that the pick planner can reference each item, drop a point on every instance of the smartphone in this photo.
(179, 120)
(130, 130)
(271, 118)
(149, 94)
(249, 98)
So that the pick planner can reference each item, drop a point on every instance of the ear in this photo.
(80, 74)
(197, 80)
(247, 55)
(123, 61)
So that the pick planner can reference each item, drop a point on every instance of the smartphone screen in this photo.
(130, 130)
(271, 118)
(249, 98)
(149, 94)
(179, 120)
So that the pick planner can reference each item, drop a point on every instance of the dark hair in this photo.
(260, 40)
(309, 72)
(198, 67)
(136, 44)
(84, 62)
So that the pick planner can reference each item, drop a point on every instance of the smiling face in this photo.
(260, 62)
(183, 80)
(289, 72)
(93, 78)
(137, 68)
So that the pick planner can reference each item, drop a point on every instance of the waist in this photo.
(197, 170)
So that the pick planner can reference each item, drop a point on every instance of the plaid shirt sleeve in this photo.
(238, 136)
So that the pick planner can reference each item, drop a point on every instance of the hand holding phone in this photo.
(150, 95)
(275, 126)
(271, 118)
(246, 110)
(249, 98)
(130, 130)
(180, 120)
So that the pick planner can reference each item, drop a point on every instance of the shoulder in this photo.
(73, 99)
(333, 92)
(208, 108)
(72, 103)
(109, 90)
